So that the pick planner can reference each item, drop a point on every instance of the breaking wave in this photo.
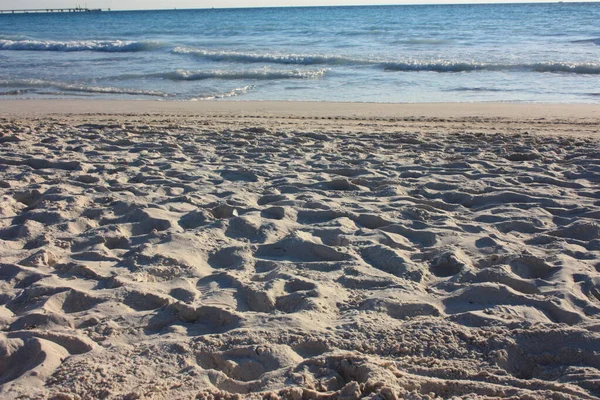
(595, 41)
(231, 93)
(68, 87)
(399, 66)
(452, 66)
(261, 74)
(299, 59)
(79, 45)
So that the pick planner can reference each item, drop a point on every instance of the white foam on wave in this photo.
(393, 65)
(470, 66)
(259, 74)
(300, 59)
(78, 45)
(71, 87)
(232, 93)
(423, 41)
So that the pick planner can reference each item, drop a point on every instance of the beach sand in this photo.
(224, 250)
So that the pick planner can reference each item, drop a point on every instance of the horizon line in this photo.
(417, 3)
(457, 3)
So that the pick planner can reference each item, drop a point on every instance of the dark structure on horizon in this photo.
(50, 10)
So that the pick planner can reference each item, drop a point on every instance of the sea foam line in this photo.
(398, 66)
(257, 74)
(232, 93)
(69, 87)
(452, 66)
(79, 45)
(299, 59)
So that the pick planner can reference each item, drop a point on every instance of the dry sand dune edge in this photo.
(208, 257)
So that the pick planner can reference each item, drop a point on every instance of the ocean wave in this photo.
(453, 66)
(231, 93)
(16, 92)
(575, 68)
(422, 41)
(261, 74)
(70, 87)
(595, 41)
(299, 59)
(79, 45)
(477, 89)
(434, 66)
(12, 37)
(400, 66)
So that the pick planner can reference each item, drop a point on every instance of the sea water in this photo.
(428, 53)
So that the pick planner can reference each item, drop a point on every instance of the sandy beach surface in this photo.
(231, 250)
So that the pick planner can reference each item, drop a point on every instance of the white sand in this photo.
(299, 251)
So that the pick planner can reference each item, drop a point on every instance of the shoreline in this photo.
(302, 109)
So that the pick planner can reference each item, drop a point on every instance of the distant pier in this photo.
(51, 10)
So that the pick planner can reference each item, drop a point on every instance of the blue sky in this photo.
(160, 4)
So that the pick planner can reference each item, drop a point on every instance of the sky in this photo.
(170, 4)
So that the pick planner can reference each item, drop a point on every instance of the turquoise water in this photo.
(509, 52)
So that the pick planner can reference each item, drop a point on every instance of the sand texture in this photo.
(149, 256)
